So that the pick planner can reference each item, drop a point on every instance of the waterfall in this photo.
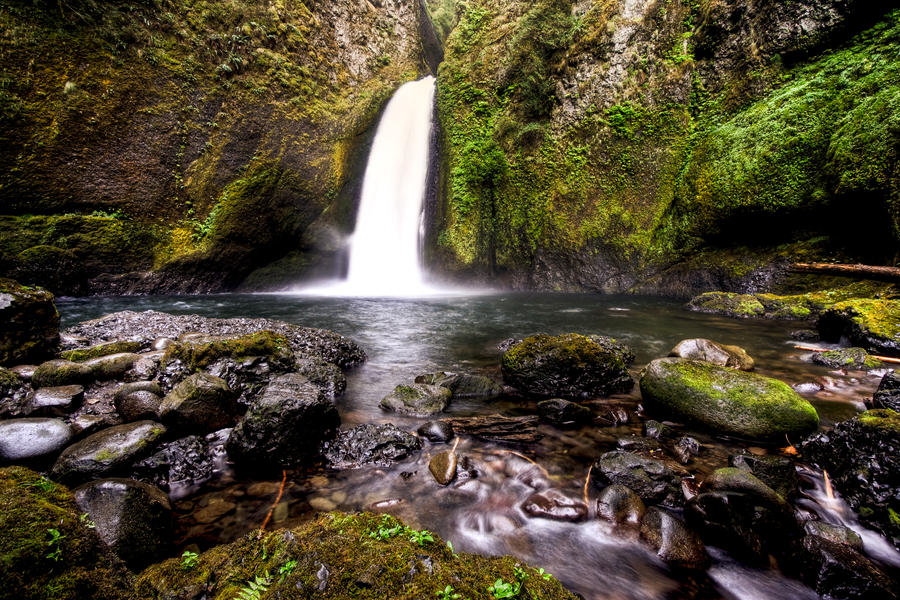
(385, 246)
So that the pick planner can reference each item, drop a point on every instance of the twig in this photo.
(888, 359)
(586, 482)
(522, 456)
(277, 500)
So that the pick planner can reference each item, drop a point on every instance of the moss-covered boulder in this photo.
(565, 366)
(726, 303)
(417, 399)
(61, 372)
(200, 404)
(340, 556)
(847, 358)
(117, 347)
(726, 401)
(200, 350)
(873, 324)
(47, 551)
(30, 330)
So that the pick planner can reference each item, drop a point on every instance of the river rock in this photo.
(568, 366)
(651, 480)
(888, 393)
(117, 347)
(713, 352)
(61, 372)
(498, 428)
(868, 323)
(658, 431)
(725, 400)
(465, 385)
(30, 330)
(777, 472)
(563, 413)
(741, 306)
(32, 441)
(673, 541)
(145, 368)
(731, 479)
(148, 326)
(837, 534)
(369, 444)
(138, 400)
(284, 426)
(619, 504)
(862, 456)
(201, 403)
(685, 449)
(553, 504)
(418, 399)
(836, 570)
(247, 377)
(107, 452)
(436, 432)
(615, 346)
(846, 358)
(182, 466)
(55, 401)
(443, 467)
(324, 374)
(14, 394)
(132, 517)
(113, 366)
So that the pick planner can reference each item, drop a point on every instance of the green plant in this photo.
(543, 574)
(501, 589)
(55, 544)
(420, 537)
(386, 533)
(188, 560)
(286, 569)
(447, 594)
(254, 589)
(84, 520)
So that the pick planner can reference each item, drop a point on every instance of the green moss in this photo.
(203, 351)
(882, 418)
(879, 317)
(83, 354)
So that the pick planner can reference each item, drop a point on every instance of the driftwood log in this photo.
(876, 272)
(497, 428)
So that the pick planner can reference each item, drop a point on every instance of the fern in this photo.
(255, 588)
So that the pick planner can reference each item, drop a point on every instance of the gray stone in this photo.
(324, 374)
(418, 399)
(685, 449)
(55, 401)
(370, 444)
(138, 400)
(32, 440)
(113, 366)
(61, 372)
(777, 472)
(847, 358)
(837, 534)
(201, 403)
(650, 479)
(713, 352)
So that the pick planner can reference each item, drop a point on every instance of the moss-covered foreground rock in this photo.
(47, 551)
(30, 330)
(340, 556)
(725, 400)
(873, 324)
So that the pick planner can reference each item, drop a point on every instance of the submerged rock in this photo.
(619, 504)
(871, 324)
(673, 541)
(713, 352)
(131, 517)
(443, 467)
(199, 404)
(369, 444)
(553, 504)
(562, 413)
(284, 426)
(30, 441)
(436, 431)
(651, 480)
(30, 329)
(418, 399)
(726, 401)
(568, 366)
(888, 393)
(847, 358)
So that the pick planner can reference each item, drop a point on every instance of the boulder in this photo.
(117, 347)
(465, 385)
(713, 352)
(138, 400)
(33, 442)
(199, 404)
(369, 444)
(182, 466)
(673, 541)
(106, 453)
(443, 467)
(868, 323)
(61, 372)
(837, 570)
(837, 534)
(55, 401)
(888, 393)
(568, 366)
(131, 517)
(284, 426)
(553, 504)
(436, 432)
(777, 472)
(112, 366)
(727, 303)
(324, 374)
(846, 358)
(726, 401)
(619, 504)
(563, 413)
(615, 346)
(30, 329)
(731, 479)
(862, 456)
(418, 399)
(652, 480)
(247, 377)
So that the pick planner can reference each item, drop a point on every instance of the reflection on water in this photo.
(407, 337)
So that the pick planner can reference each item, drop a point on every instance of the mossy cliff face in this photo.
(192, 139)
(594, 144)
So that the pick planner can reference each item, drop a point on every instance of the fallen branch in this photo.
(880, 273)
(887, 359)
(277, 500)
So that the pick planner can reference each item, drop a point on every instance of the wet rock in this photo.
(32, 441)
(145, 368)
(107, 452)
(837, 534)
(777, 472)
(725, 400)
(246, 377)
(553, 504)
(615, 346)
(846, 358)
(324, 374)
(117, 347)
(133, 518)
(685, 449)
(658, 431)
(443, 467)
(14, 394)
(201, 403)
(713, 352)
(651, 480)
(805, 335)
(284, 426)
(838, 571)
(563, 413)
(870, 324)
(55, 401)
(138, 400)
(30, 329)
(113, 366)
(369, 444)
(438, 378)
(508, 343)
(567, 366)
(888, 393)
(465, 385)
(436, 432)
(619, 504)
(726, 303)
(25, 372)
(638, 444)
(61, 372)
(613, 416)
(862, 456)
(418, 399)
(673, 541)
(148, 326)
(731, 479)
(85, 424)
(184, 465)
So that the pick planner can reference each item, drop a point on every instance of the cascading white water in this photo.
(384, 248)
